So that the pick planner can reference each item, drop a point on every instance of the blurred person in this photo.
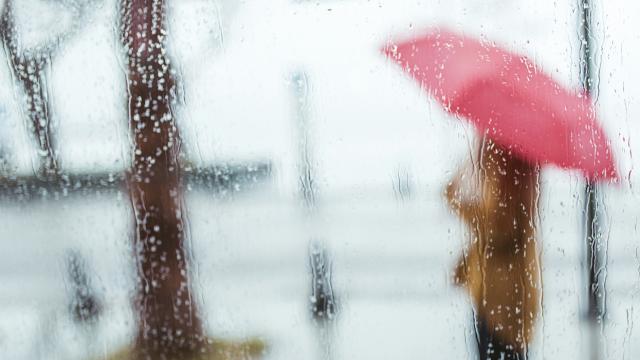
(500, 266)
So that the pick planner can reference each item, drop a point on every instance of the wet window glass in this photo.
(345, 179)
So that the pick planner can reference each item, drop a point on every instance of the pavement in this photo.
(391, 261)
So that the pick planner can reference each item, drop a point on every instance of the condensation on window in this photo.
(327, 179)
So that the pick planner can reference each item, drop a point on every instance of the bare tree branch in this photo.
(29, 68)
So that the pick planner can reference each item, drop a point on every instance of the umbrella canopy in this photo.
(507, 97)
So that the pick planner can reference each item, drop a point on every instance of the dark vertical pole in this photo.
(322, 299)
(595, 242)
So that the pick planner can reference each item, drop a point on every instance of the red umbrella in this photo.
(508, 98)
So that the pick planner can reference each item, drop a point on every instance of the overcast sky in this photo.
(368, 121)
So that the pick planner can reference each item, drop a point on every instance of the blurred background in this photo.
(309, 158)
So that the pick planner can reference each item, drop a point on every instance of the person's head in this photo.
(509, 186)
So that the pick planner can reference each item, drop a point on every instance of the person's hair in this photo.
(510, 188)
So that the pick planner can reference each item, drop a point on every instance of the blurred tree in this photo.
(29, 69)
(30, 66)
(169, 326)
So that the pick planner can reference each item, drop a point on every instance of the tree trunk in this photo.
(169, 326)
